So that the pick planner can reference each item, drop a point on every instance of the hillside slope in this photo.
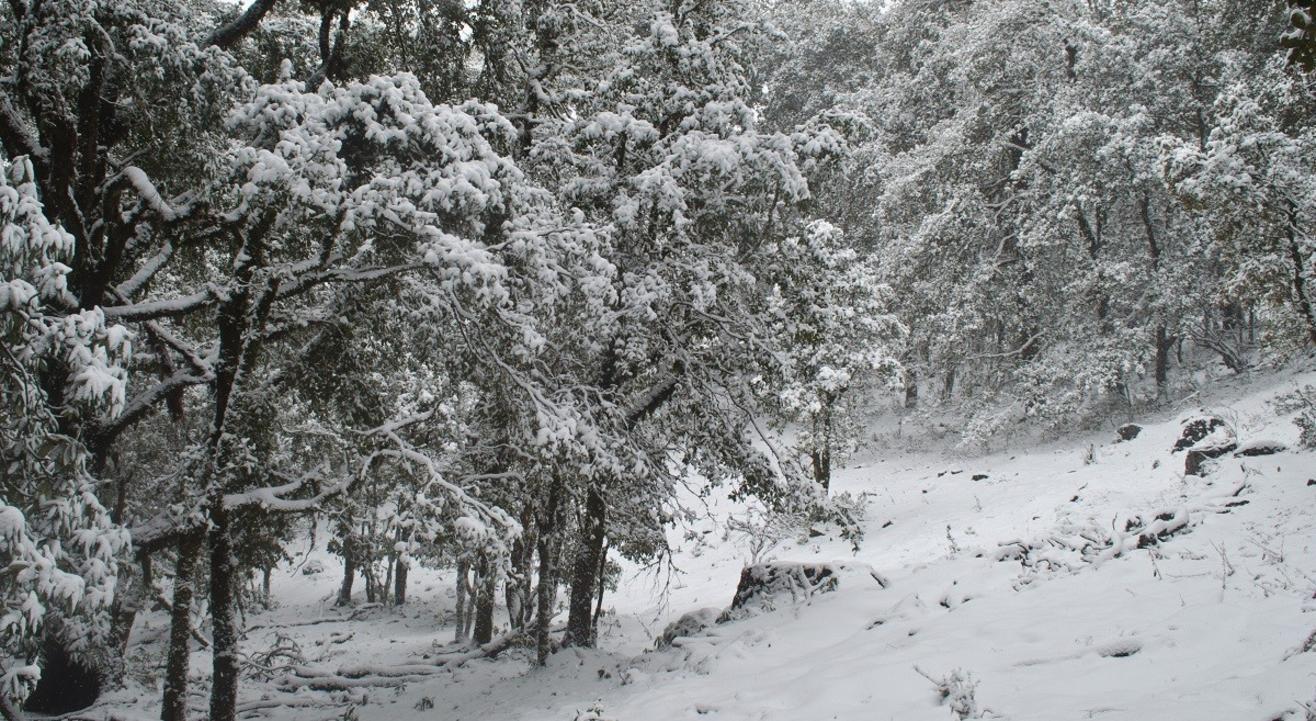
(1025, 586)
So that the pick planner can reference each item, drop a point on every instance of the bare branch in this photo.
(231, 32)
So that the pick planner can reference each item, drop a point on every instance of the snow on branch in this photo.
(167, 308)
(150, 195)
(274, 498)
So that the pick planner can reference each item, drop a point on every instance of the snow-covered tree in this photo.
(58, 546)
(838, 341)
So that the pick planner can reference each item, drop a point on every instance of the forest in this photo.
(505, 291)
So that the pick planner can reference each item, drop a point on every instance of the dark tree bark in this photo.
(463, 569)
(400, 582)
(1163, 342)
(598, 606)
(547, 591)
(223, 608)
(519, 586)
(372, 583)
(487, 591)
(234, 352)
(173, 706)
(821, 459)
(349, 573)
(1301, 297)
(821, 455)
(585, 571)
(231, 32)
(1163, 345)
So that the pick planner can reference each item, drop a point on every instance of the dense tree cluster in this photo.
(1077, 205)
(479, 285)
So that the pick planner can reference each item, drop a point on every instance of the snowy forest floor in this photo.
(987, 579)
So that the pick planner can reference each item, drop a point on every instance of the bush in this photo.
(1303, 402)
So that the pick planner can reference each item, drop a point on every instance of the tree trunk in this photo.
(518, 584)
(598, 606)
(487, 591)
(265, 574)
(1163, 343)
(349, 573)
(911, 389)
(173, 706)
(584, 573)
(400, 582)
(821, 455)
(224, 646)
(822, 467)
(1299, 283)
(547, 590)
(372, 583)
(463, 568)
(472, 596)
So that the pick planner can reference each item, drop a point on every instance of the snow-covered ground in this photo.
(989, 587)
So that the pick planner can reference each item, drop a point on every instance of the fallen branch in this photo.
(348, 677)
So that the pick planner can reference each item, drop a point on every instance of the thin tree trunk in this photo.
(821, 455)
(349, 573)
(224, 646)
(265, 574)
(487, 591)
(472, 597)
(173, 706)
(1299, 283)
(584, 573)
(547, 590)
(463, 567)
(598, 607)
(518, 587)
(400, 582)
(372, 583)
(1163, 343)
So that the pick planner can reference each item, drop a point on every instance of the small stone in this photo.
(1128, 431)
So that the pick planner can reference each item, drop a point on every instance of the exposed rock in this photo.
(980, 476)
(1128, 431)
(760, 584)
(1215, 445)
(688, 624)
(1257, 447)
(1196, 429)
